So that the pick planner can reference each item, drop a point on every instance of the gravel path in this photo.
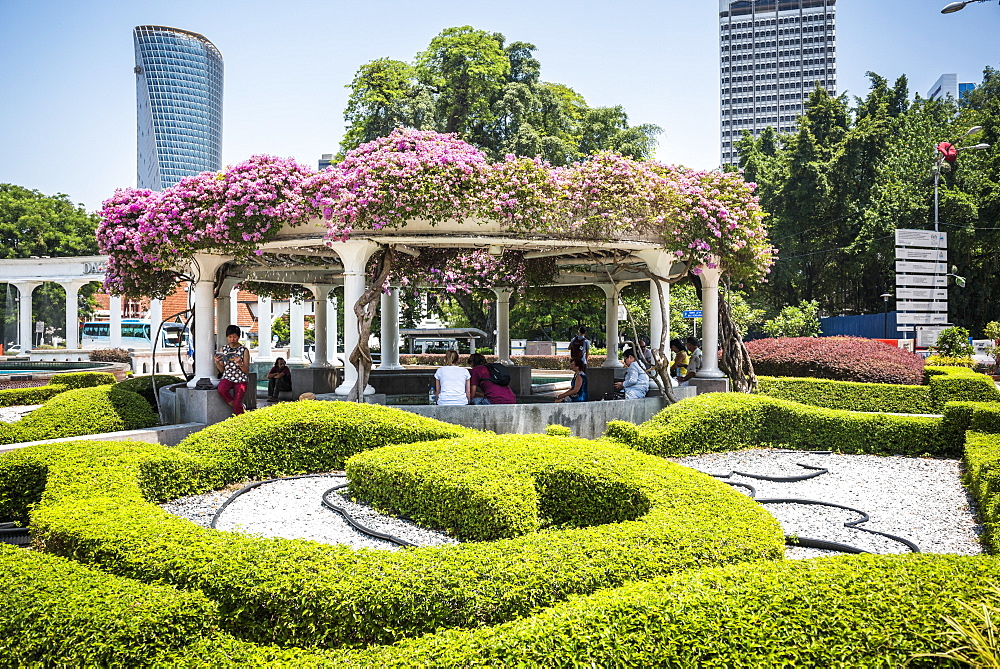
(292, 509)
(919, 499)
(13, 414)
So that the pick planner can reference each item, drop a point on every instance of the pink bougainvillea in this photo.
(704, 218)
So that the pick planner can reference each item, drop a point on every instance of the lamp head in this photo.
(952, 7)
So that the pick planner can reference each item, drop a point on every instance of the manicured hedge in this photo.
(857, 611)
(982, 477)
(80, 412)
(839, 358)
(957, 384)
(849, 395)
(57, 613)
(733, 421)
(300, 592)
(945, 384)
(143, 385)
(59, 383)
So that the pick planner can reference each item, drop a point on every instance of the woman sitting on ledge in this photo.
(636, 382)
(578, 391)
(451, 382)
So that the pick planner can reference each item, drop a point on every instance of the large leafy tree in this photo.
(489, 92)
(838, 187)
(45, 226)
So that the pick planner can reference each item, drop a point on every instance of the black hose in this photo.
(360, 527)
(807, 542)
(251, 486)
(353, 522)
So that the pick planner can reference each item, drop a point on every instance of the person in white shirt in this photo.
(451, 382)
(636, 383)
(694, 361)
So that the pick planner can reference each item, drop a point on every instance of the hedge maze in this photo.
(577, 552)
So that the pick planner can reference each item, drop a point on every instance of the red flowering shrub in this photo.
(839, 358)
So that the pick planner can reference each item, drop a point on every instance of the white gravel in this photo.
(292, 509)
(919, 499)
(14, 414)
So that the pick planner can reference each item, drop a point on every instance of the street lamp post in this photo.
(885, 315)
(956, 6)
(947, 152)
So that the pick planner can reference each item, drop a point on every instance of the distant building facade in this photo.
(179, 105)
(773, 54)
(948, 84)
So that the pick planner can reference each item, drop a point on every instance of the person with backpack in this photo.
(489, 382)
(579, 346)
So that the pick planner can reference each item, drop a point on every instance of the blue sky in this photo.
(67, 91)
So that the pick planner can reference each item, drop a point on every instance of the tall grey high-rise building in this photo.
(773, 54)
(179, 103)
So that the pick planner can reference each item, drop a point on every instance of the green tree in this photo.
(800, 321)
(45, 226)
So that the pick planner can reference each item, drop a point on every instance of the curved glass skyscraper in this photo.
(179, 102)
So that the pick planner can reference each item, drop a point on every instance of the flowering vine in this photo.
(702, 217)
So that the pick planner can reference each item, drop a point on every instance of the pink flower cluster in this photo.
(410, 174)
(147, 234)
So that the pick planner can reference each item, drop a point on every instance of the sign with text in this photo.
(921, 294)
(927, 239)
(928, 335)
(922, 306)
(934, 255)
(921, 267)
(922, 319)
(937, 280)
(692, 313)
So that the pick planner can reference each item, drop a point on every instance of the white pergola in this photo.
(302, 255)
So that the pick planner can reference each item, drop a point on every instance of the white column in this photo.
(115, 317)
(297, 332)
(710, 324)
(332, 328)
(660, 264)
(72, 289)
(611, 323)
(234, 307)
(354, 254)
(264, 328)
(204, 317)
(320, 330)
(223, 313)
(390, 330)
(26, 326)
(503, 326)
(155, 318)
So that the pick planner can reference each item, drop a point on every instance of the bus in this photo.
(135, 334)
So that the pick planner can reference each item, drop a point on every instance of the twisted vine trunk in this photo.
(361, 356)
(735, 361)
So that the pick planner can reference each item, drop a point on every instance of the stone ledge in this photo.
(168, 435)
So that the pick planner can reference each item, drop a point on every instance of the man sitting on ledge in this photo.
(482, 388)
(636, 382)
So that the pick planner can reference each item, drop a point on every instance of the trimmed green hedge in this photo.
(944, 384)
(958, 384)
(849, 395)
(858, 611)
(94, 508)
(80, 412)
(56, 612)
(734, 421)
(143, 385)
(59, 383)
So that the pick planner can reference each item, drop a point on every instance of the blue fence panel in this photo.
(872, 326)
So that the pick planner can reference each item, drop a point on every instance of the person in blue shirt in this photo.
(636, 383)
